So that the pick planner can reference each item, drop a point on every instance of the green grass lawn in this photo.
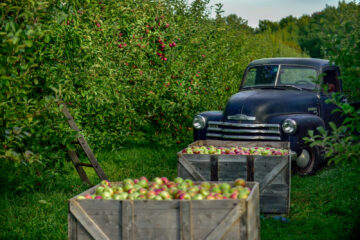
(324, 206)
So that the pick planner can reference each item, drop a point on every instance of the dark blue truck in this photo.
(280, 99)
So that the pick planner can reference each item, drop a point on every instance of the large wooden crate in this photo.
(166, 219)
(272, 172)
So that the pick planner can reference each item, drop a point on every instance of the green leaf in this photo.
(28, 43)
(47, 39)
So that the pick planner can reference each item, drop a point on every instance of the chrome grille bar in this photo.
(255, 125)
(244, 130)
(243, 137)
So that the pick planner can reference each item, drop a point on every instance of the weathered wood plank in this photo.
(219, 231)
(214, 168)
(250, 168)
(91, 227)
(154, 205)
(272, 174)
(92, 158)
(72, 227)
(84, 144)
(69, 118)
(192, 171)
(288, 181)
(127, 222)
(263, 165)
(185, 220)
(74, 158)
(253, 214)
(274, 203)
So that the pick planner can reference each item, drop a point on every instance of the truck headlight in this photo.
(199, 122)
(289, 126)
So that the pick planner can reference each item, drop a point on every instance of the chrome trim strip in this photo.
(255, 125)
(243, 130)
(277, 75)
(243, 137)
(241, 117)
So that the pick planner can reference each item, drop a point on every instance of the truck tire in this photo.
(309, 161)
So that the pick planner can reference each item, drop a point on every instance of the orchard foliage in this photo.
(333, 33)
(342, 144)
(128, 71)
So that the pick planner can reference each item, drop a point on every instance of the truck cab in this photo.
(280, 99)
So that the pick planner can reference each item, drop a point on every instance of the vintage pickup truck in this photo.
(280, 99)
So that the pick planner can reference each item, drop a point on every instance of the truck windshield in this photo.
(280, 76)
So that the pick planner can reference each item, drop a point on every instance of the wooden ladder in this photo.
(74, 157)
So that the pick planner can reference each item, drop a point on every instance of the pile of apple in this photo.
(163, 189)
(236, 150)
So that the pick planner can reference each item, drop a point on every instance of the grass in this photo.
(324, 206)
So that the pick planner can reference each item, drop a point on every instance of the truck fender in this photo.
(209, 116)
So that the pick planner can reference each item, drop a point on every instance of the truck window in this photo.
(264, 75)
(298, 75)
(331, 81)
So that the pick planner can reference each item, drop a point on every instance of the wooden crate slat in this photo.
(219, 231)
(272, 175)
(250, 168)
(185, 220)
(253, 208)
(127, 222)
(214, 168)
(191, 170)
(91, 227)
(72, 233)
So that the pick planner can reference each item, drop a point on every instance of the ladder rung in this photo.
(85, 165)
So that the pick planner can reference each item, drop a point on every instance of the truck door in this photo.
(332, 84)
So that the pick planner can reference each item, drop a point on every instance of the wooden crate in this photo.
(166, 219)
(272, 172)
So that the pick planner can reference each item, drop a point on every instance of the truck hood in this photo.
(258, 105)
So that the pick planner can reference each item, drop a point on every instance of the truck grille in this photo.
(243, 131)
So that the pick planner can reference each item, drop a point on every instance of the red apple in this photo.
(165, 180)
(185, 196)
(210, 197)
(234, 196)
(150, 194)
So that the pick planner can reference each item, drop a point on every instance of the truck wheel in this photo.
(309, 160)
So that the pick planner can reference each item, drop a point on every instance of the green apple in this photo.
(198, 197)
(225, 187)
(106, 195)
(143, 183)
(189, 182)
(158, 197)
(99, 190)
(178, 180)
(205, 185)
